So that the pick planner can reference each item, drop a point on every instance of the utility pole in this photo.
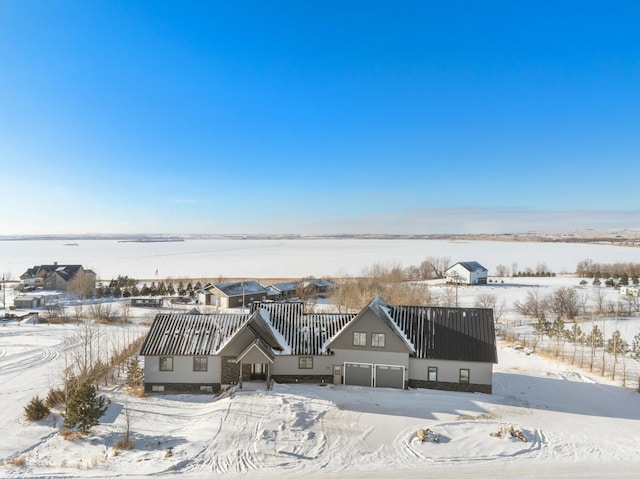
(4, 294)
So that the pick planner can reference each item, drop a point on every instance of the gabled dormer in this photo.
(374, 330)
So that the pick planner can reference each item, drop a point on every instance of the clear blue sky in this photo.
(318, 116)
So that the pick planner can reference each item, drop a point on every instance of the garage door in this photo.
(358, 374)
(389, 376)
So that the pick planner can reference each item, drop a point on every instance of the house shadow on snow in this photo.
(568, 392)
(572, 394)
(427, 404)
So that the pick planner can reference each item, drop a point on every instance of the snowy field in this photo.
(577, 424)
(291, 258)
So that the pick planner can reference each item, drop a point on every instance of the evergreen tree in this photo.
(84, 408)
(135, 374)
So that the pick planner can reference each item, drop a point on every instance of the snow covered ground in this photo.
(577, 424)
(292, 258)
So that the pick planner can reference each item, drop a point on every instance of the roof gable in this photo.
(380, 310)
(470, 266)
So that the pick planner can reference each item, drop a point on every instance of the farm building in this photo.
(467, 272)
(381, 346)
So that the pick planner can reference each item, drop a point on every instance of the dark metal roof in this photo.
(239, 288)
(191, 334)
(463, 334)
(66, 271)
(305, 334)
(471, 266)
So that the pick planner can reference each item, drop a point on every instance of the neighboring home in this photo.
(232, 295)
(629, 290)
(60, 277)
(146, 302)
(284, 291)
(317, 288)
(381, 346)
(467, 272)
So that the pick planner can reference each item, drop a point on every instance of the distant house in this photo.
(147, 302)
(285, 290)
(59, 277)
(467, 272)
(317, 288)
(381, 346)
(630, 290)
(233, 295)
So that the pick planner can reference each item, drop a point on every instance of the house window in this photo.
(200, 364)
(377, 340)
(206, 389)
(464, 375)
(157, 388)
(359, 339)
(166, 364)
(305, 363)
(432, 375)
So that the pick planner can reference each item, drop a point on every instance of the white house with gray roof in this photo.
(467, 272)
(381, 346)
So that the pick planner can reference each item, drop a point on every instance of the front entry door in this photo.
(259, 371)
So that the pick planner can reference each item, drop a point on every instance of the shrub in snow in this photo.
(36, 410)
(55, 398)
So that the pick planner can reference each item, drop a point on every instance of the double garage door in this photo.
(374, 375)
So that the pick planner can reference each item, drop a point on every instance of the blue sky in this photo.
(318, 117)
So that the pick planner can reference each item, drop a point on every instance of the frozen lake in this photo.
(237, 258)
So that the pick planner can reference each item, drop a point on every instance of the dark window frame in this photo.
(166, 363)
(305, 362)
(431, 369)
(360, 335)
(378, 336)
(467, 379)
(198, 362)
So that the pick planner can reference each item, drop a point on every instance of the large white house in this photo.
(381, 346)
(467, 272)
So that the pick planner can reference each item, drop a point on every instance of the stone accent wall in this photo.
(230, 371)
(246, 372)
(295, 378)
(461, 387)
(181, 388)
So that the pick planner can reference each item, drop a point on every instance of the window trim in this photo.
(197, 359)
(431, 369)
(378, 335)
(165, 360)
(468, 378)
(361, 335)
(305, 362)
